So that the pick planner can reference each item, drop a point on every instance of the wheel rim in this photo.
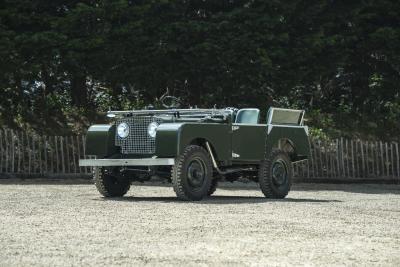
(279, 172)
(196, 173)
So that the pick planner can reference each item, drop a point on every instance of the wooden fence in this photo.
(344, 158)
(23, 153)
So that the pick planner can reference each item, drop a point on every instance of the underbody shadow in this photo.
(216, 200)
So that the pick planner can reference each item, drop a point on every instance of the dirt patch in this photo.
(70, 224)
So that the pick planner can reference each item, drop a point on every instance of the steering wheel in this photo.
(170, 102)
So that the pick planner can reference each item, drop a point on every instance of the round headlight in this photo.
(123, 130)
(152, 129)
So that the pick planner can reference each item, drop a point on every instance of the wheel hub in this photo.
(279, 172)
(196, 173)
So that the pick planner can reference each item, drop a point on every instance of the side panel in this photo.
(172, 138)
(100, 140)
(248, 142)
(297, 135)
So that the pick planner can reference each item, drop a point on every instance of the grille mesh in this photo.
(138, 141)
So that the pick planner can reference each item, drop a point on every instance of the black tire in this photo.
(213, 188)
(192, 174)
(109, 182)
(275, 175)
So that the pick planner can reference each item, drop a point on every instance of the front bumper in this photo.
(127, 162)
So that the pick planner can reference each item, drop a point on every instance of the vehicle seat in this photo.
(248, 116)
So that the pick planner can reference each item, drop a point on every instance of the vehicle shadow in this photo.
(216, 200)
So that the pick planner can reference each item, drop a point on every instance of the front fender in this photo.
(167, 139)
(100, 140)
(173, 138)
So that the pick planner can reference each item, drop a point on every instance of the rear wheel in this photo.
(192, 174)
(275, 175)
(109, 182)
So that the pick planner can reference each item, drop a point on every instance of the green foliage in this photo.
(64, 63)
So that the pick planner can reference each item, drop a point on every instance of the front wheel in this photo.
(110, 183)
(192, 174)
(275, 175)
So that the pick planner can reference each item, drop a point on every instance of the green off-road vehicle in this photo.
(195, 148)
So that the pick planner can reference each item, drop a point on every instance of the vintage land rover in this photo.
(195, 148)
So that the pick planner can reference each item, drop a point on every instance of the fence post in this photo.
(57, 154)
(398, 160)
(382, 157)
(1, 150)
(62, 154)
(363, 159)
(392, 159)
(79, 152)
(84, 151)
(326, 159)
(73, 153)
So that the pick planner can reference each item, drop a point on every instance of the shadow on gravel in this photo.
(215, 200)
(377, 189)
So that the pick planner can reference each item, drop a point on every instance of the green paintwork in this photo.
(218, 135)
(167, 139)
(173, 138)
(236, 143)
(297, 135)
(100, 140)
(248, 141)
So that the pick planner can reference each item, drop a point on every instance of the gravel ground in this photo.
(54, 224)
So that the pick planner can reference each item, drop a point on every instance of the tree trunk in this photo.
(79, 94)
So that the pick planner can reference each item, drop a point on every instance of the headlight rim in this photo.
(152, 129)
(127, 130)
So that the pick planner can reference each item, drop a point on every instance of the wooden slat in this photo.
(397, 159)
(392, 159)
(372, 159)
(79, 151)
(39, 152)
(378, 172)
(387, 160)
(12, 151)
(62, 154)
(57, 154)
(6, 142)
(33, 154)
(2, 152)
(382, 158)
(347, 158)
(51, 154)
(353, 171)
(19, 152)
(362, 159)
(73, 154)
(320, 159)
(46, 162)
(84, 152)
(328, 174)
(337, 144)
(366, 159)
(68, 161)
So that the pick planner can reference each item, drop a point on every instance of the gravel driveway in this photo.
(58, 224)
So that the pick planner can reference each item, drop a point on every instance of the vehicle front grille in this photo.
(138, 141)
